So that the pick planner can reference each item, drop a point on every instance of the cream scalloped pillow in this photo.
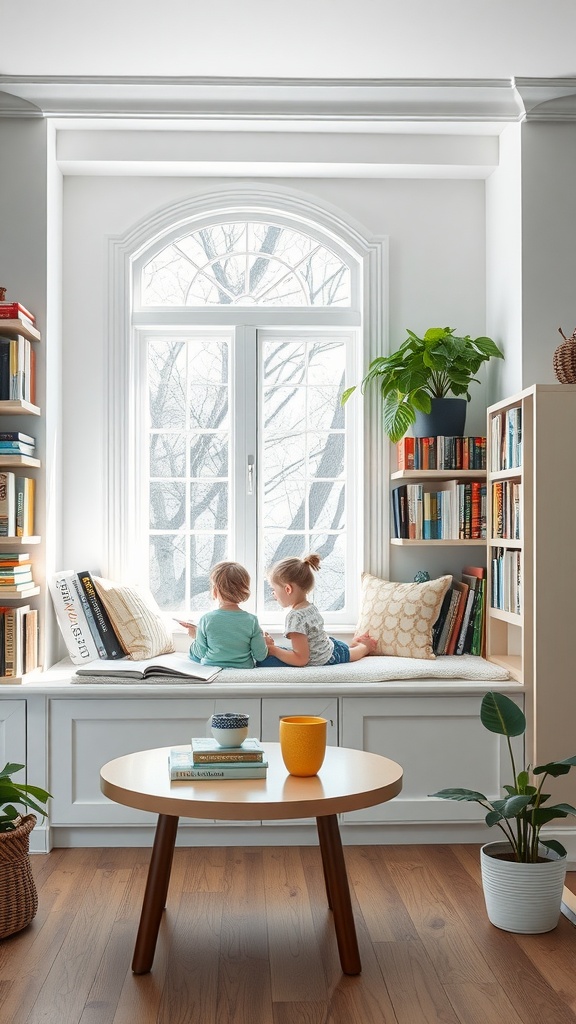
(136, 619)
(400, 616)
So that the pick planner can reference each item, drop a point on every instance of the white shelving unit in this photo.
(10, 408)
(536, 642)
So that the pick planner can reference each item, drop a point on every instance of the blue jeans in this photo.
(340, 655)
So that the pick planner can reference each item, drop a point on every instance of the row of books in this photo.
(506, 439)
(206, 759)
(17, 369)
(84, 622)
(506, 589)
(18, 641)
(460, 626)
(446, 510)
(15, 442)
(441, 452)
(506, 509)
(16, 505)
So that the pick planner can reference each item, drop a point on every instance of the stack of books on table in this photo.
(206, 759)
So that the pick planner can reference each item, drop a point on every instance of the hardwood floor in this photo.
(247, 939)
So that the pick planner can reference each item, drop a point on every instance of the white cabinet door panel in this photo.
(85, 734)
(13, 733)
(439, 742)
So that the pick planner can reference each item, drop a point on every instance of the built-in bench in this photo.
(423, 714)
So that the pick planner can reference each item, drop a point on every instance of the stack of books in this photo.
(15, 574)
(206, 759)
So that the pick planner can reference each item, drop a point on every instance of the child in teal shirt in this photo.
(228, 636)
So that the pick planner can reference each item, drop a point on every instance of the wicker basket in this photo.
(564, 360)
(18, 896)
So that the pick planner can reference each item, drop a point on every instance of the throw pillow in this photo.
(400, 616)
(136, 619)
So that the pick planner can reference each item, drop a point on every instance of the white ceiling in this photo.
(297, 39)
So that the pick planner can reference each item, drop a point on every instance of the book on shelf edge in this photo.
(462, 589)
(12, 310)
(108, 636)
(74, 580)
(16, 435)
(182, 767)
(179, 666)
(479, 632)
(71, 618)
(206, 750)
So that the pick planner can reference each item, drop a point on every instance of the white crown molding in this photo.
(547, 99)
(239, 99)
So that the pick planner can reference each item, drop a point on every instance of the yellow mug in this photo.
(303, 743)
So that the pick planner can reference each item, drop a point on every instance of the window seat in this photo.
(369, 670)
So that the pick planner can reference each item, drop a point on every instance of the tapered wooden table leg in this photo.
(338, 893)
(155, 893)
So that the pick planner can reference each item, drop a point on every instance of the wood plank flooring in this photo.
(247, 939)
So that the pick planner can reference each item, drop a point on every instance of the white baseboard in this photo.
(43, 839)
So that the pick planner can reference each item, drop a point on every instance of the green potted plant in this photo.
(523, 877)
(419, 378)
(18, 896)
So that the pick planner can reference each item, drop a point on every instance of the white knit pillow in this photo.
(136, 619)
(400, 616)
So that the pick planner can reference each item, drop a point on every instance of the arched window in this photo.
(246, 326)
(246, 263)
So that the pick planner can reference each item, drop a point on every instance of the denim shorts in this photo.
(340, 654)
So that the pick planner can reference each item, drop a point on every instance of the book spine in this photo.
(30, 630)
(89, 616)
(72, 620)
(20, 486)
(7, 505)
(9, 643)
(250, 772)
(105, 628)
(4, 370)
(221, 757)
(405, 453)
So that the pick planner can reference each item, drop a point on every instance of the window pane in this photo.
(188, 466)
(326, 506)
(209, 506)
(303, 496)
(167, 382)
(205, 551)
(167, 571)
(326, 455)
(329, 592)
(167, 455)
(209, 455)
(247, 263)
(167, 505)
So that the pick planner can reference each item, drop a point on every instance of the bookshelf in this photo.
(20, 465)
(530, 607)
(451, 484)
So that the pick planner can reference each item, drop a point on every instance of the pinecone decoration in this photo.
(564, 360)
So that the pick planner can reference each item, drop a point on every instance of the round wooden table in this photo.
(348, 780)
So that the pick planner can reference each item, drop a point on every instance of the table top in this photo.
(348, 780)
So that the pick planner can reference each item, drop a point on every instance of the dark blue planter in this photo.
(447, 418)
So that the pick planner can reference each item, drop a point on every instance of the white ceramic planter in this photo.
(522, 898)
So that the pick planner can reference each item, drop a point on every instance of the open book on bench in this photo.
(180, 666)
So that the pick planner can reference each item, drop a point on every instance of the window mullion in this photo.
(244, 498)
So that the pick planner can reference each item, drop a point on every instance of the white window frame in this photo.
(127, 254)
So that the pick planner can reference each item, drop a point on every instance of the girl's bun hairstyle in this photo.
(298, 572)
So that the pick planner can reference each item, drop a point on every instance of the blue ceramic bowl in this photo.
(229, 729)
